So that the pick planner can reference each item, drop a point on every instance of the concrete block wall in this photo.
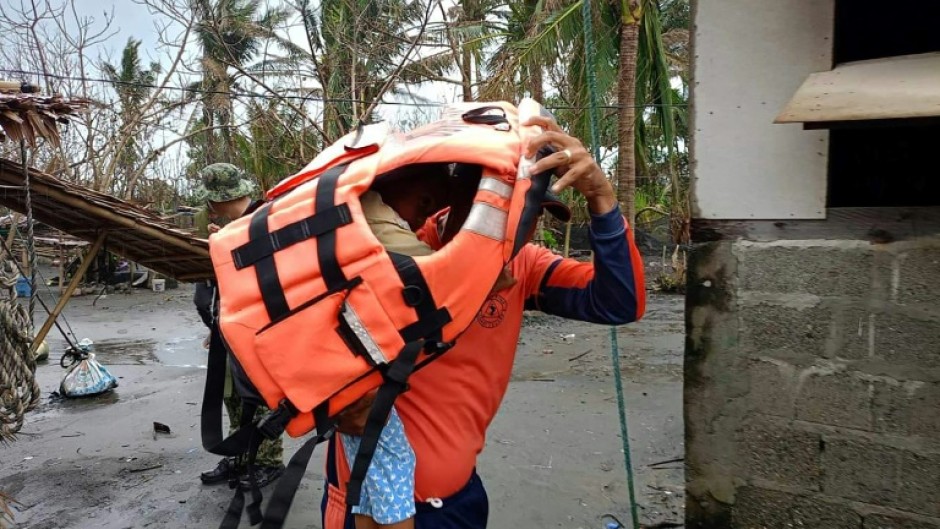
(813, 385)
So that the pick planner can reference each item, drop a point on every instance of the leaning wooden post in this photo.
(61, 265)
(76, 279)
(13, 227)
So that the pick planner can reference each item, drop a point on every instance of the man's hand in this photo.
(213, 227)
(573, 164)
(352, 420)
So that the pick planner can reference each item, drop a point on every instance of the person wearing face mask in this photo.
(226, 192)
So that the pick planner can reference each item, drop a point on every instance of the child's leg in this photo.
(366, 522)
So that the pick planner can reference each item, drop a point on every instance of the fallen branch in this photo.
(573, 358)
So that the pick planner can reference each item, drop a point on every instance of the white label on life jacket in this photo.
(355, 323)
(487, 220)
(522, 173)
(496, 186)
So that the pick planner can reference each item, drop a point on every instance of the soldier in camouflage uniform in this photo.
(226, 192)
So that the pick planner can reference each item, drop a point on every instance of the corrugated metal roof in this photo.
(891, 88)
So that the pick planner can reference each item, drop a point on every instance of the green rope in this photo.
(624, 434)
(588, 26)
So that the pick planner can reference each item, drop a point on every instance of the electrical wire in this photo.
(320, 99)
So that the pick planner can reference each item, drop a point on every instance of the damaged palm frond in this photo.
(31, 117)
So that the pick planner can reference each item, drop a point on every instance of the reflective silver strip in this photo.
(488, 221)
(496, 186)
(355, 323)
(522, 173)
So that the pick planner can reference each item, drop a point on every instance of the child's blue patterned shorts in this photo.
(388, 491)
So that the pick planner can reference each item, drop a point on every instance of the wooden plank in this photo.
(889, 88)
(878, 225)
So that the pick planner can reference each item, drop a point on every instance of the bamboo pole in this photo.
(76, 279)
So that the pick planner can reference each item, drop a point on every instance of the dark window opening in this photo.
(866, 29)
(885, 166)
(889, 162)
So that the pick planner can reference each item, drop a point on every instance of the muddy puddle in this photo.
(175, 352)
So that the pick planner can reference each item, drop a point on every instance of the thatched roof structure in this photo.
(133, 232)
(31, 116)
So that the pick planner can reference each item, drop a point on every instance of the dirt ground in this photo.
(553, 457)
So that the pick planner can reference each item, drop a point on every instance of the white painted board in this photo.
(750, 56)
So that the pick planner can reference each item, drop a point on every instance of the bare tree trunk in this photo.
(626, 97)
(535, 79)
(210, 134)
(466, 74)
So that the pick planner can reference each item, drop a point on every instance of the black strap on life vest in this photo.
(417, 294)
(262, 244)
(332, 274)
(288, 484)
(212, 404)
(265, 270)
(396, 380)
(314, 226)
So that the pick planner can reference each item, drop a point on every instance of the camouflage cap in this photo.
(222, 182)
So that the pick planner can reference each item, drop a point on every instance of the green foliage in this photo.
(548, 237)
(671, 278)
(353, 53)
(134, 85)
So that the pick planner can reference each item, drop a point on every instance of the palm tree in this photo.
(507, 76)
(631, 14)
(356, 49)
(632, 71)
(230, 33)
(134, 85)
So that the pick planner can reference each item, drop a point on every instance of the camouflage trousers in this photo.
(270, 453)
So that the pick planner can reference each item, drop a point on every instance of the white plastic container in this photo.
(159, 285)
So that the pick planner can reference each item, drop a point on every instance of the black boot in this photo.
(264, 475)
(226, 470)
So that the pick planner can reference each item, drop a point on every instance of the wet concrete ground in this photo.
(553, 457)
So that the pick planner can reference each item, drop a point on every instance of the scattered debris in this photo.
(666, 462)
(144, 469)
(159, 427)
(580, 356)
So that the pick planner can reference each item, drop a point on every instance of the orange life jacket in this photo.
(315, 312)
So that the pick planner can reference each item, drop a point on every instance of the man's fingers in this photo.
(577, 171)
(556, 139)
(565, 181)
(545, 122)
(557, 160)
